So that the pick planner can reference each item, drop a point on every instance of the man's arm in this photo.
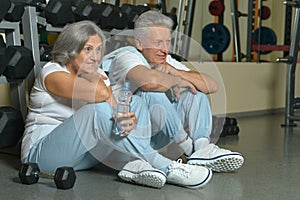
(153, 80)
(201, 81)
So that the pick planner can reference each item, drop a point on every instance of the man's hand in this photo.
(166, 68)
(183, 84)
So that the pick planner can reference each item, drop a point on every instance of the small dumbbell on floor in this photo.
(230, 127)
(64, 177)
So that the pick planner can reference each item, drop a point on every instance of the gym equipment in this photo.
(45, 50)
(64, 177)
(215, 38)
(2, 49)
(267, 47)
(4, 7)
(161, 6)
(229, 121)
(265, 12)
(87, 10)
(17, 62)
(264, 36)
(224, 126)
(216, 8)
(292, 102)
(111, 17)
(57, 12)
(15, 12)
(11, 126)
(2, 43)
(133, 12)
(230, 130)
(173, 16)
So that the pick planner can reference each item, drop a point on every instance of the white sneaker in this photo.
(141, 172)
(217, 159)
(187, 175)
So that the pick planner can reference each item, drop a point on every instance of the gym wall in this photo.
(250, 86)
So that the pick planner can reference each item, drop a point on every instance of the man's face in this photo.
(156, 46)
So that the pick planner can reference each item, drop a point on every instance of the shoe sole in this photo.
(224, 163)
(147, 178)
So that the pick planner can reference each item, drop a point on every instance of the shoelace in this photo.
(213, 150)
(180, 169)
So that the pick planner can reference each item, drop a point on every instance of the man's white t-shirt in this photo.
(46, 111)
(119, 62)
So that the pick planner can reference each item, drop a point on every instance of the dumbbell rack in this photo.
(17, 88)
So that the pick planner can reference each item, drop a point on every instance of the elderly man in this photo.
(185, 119)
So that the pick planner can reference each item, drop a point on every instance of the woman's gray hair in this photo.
(72, 39)
(150, 19)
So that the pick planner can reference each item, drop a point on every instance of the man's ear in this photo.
(138, 44)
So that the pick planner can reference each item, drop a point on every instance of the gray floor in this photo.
(271, 171)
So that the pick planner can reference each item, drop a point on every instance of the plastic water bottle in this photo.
(123, 100)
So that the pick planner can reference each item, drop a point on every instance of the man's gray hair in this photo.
(72, 39)
(150, 19)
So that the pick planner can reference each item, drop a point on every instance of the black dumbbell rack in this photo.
(17, 89)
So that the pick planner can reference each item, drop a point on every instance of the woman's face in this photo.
(88, 59)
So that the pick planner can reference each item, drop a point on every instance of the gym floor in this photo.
(271, 171)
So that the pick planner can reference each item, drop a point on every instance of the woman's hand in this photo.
(126, 121)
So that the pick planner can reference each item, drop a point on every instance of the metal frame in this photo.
(291, 101)
(236, 30)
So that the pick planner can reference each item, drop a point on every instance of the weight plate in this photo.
(265, 12)
(216, 8)
(267, 37)
(215, 38)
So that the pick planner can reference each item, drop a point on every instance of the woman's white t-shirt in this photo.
(46, 111)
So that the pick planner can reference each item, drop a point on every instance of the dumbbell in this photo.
(15, 12)
(230, 130)
(112, 17)
(16, 62)
(107, 16)
(87, 10)
(61, 12)
(11, 126)
(64, 177)
(133, 12)
(45, 50)
(57, 12)
(229, 121)
(225, 126)
(2, 49)
(4, 7)
(230, 127)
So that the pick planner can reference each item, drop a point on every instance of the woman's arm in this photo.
(86, 87)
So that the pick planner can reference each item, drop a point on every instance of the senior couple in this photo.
(72, 103)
